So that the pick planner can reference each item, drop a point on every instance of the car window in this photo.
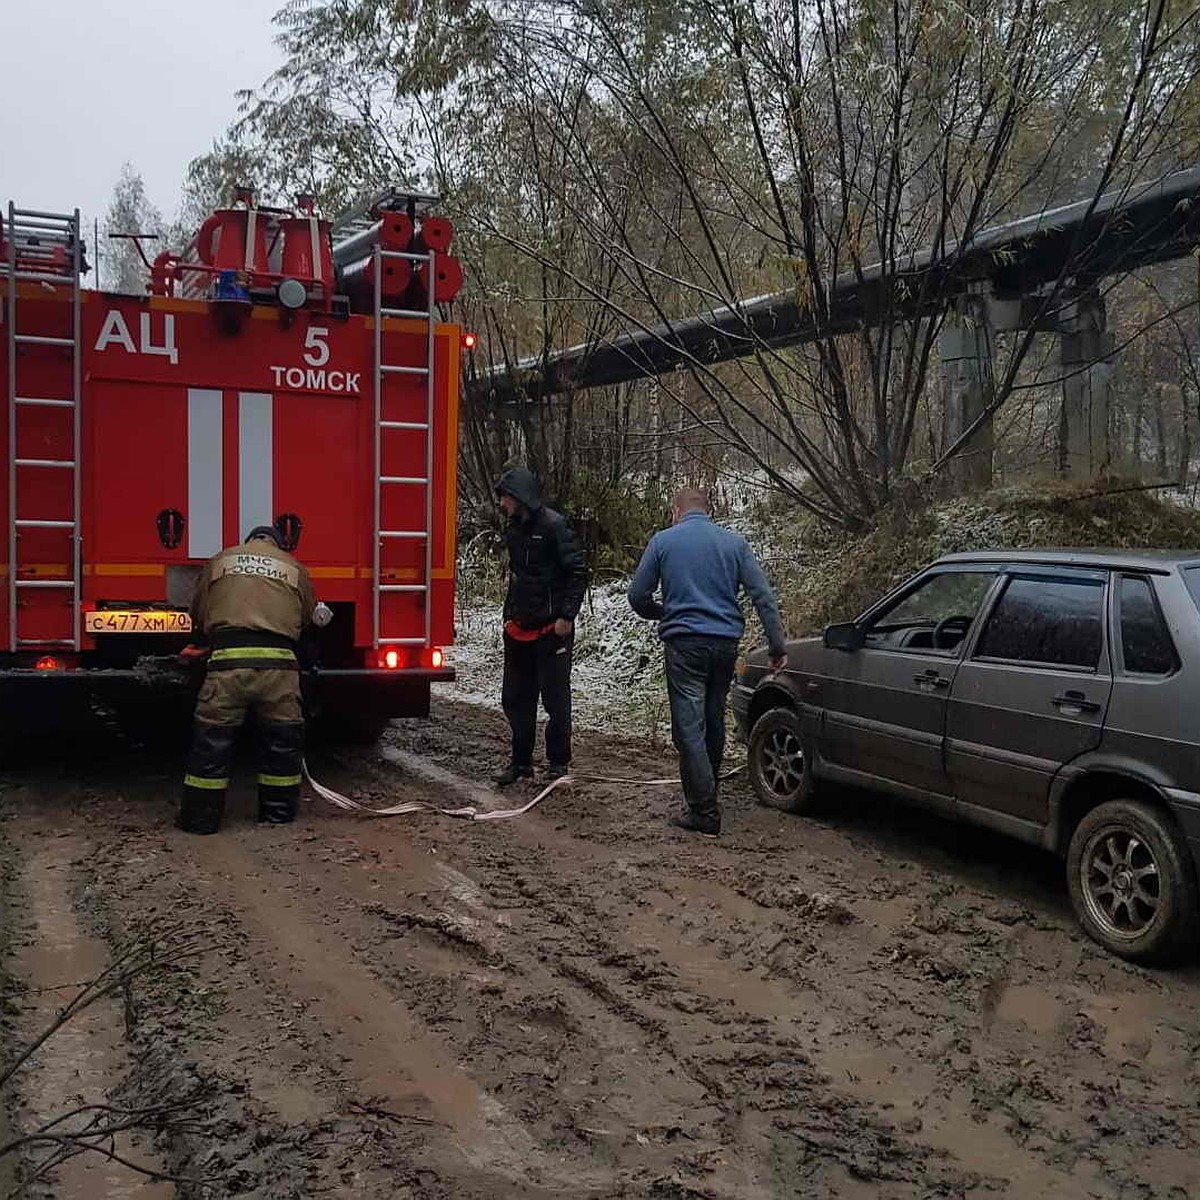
(1191, 577)
(944, 604)
(1146, 645)
(1059, 622)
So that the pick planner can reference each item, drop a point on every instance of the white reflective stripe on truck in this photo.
(205, 473)
(256, 475)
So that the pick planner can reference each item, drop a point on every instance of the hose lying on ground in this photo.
(470, 812)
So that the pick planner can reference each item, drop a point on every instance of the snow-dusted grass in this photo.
(617, 679)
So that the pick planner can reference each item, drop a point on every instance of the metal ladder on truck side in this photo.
(423, 483)
(45, 249)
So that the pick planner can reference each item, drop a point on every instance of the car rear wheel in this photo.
(780, 766)
(1132, 882)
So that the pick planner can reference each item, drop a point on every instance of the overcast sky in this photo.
(90, 84)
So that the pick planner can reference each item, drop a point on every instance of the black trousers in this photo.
(226, 698)
(532, 669)
(699, 672)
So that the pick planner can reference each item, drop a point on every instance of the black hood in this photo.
(520, 484)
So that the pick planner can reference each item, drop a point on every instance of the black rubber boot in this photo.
(277, 806)
(201, 810)
(512, 774)
(557, 771)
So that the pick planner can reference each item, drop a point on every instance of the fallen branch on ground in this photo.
(1133, 487)
(144, 956)
(376, 1110)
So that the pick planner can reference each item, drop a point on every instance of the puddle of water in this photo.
(1031, 1006)
(1134, 1029)
(882, 1078)
(1134, 1026)
(887, 914)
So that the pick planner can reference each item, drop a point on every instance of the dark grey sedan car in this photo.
(1052, 695)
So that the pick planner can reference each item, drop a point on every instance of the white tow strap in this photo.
(470, 812)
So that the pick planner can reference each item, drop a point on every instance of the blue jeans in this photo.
(699, 672)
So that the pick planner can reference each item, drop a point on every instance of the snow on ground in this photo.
(617, 680)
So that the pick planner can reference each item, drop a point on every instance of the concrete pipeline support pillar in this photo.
(1085, 355)
(965, 349)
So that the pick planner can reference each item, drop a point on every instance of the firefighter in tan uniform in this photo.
(251, 604)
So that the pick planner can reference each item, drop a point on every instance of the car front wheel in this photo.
(1132, 882)
(780, 766)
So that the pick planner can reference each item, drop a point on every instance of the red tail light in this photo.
(392, 659)
(469, 340)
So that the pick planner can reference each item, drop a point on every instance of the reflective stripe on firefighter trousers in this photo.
(242, 653)
(207, 785)
(279, 781)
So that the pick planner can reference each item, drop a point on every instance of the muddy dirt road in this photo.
(584, 1002)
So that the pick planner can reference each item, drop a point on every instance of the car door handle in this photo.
(931, 679)
(1076, 700)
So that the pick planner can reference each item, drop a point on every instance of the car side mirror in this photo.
(843, 636)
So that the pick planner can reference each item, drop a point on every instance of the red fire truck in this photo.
(281, 371)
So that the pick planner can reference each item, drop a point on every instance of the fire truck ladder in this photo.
(421, 483)
(43, 248)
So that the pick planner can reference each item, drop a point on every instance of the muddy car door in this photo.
(883, 705)
(1031, 695)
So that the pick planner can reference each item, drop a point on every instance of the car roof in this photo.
(1083, 556)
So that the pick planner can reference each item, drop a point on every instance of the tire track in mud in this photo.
(84, 1062)
(467, 970)
(386, 1051)
(584, 1003)
(235, 879)
(8, 986)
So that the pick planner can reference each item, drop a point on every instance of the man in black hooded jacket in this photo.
(546, 583)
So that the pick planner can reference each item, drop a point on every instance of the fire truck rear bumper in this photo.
(46, 697)
(44, 701)
(431, 674)
(99, 677)
(398, 693)
(13, 679)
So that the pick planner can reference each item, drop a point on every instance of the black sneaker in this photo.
(513, 774)
(554, 771)
(694, 824)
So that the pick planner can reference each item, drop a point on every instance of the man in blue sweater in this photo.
(701, 568)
